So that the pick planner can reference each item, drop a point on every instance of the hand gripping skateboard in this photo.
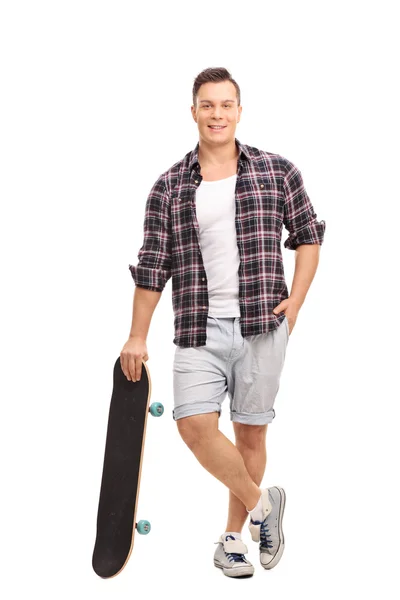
(120, 484)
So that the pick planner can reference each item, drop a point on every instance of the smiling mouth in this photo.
(217, 127)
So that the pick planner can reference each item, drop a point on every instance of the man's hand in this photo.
(132, 355)
(291, 309)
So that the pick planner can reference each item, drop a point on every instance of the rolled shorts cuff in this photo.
(253, 418)
(196, 408)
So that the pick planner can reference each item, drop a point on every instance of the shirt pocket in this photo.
(268, 207)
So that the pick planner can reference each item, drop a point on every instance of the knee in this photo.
(250, 437)
(197, 429)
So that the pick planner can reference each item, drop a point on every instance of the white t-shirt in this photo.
(216, 210)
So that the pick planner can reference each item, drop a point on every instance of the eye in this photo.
(207, 105)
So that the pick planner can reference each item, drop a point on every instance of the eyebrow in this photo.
(211, 101)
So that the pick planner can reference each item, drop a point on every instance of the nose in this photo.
(216, 113)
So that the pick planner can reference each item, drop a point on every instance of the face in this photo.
(217, 105)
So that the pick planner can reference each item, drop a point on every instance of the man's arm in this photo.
(135, 349)
(307, 258)
(299, 217)
(306, 236)
(150, 275)
(154, 267)
(144, 304)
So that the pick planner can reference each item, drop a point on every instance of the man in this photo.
(213, 222)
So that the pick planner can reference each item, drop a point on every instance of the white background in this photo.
(95, 105)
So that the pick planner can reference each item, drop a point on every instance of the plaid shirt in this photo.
(269, 194)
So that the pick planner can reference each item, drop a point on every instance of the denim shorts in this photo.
(249, 369)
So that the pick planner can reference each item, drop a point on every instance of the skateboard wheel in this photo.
(156, 409)
(143, 527)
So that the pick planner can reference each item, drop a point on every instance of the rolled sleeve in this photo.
(300, 219)
(154, 267)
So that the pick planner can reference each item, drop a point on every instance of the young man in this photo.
(213, 222)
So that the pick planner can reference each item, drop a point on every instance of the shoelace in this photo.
(234, 557)
(264, 535)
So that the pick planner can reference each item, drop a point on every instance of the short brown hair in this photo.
(213, 74)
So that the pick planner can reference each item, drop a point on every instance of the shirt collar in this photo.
(194, 157)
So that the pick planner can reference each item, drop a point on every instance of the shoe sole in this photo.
(281, 546)
(238, 572)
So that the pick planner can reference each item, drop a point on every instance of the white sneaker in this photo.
(229, 556)
(269, 531)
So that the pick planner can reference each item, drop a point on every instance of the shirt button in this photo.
(262, 185)
(196, 181)
(203, 278)
(204, 307)
(179, 199)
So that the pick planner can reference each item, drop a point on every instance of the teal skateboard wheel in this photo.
(156, 409)
(143, 527)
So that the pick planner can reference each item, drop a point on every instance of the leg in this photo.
(251, 443)
(216, 453)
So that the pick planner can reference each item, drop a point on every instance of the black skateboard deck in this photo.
(120, 484)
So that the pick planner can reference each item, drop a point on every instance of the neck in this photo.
(217, 156)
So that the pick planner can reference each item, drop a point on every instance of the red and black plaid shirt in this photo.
(269, 194)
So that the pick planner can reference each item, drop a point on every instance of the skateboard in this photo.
(120, 483)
